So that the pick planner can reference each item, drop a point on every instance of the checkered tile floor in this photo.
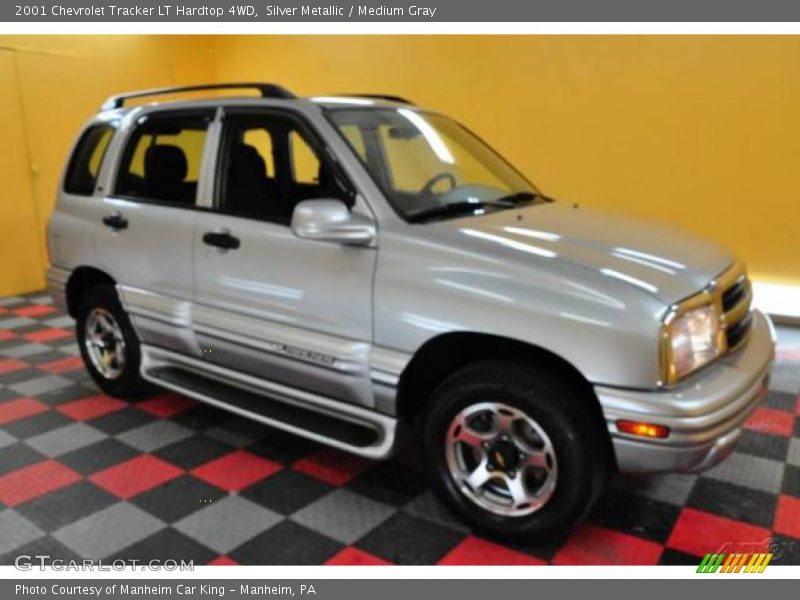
(83, 475)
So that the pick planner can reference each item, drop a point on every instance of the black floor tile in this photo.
(97, 457)
(167, 544)
(636, 515)
(287, 543)
(286, 492)
(389, 483)
(37, 424)
(178, 498)
(733, 501)
(765, 445)
(17, 456)
(407, 540)
(121, 421)
(64, 506)
(193, 452)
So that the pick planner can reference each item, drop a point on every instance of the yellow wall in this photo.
(703, 132)
(56, 83)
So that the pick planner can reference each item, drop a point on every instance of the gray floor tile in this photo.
(793, 458)
(155, 435)
(16, 322)
(343, 515)
(672, 488)
(65, 439)
(749, 471)
(24, 350)
(228, 523)
(108, 531)
(41, 385)
(16, 531)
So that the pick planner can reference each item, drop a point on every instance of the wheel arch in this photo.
(81, 281)
(445, 354)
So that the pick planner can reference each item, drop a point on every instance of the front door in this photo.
(144, 240)
(288, 310)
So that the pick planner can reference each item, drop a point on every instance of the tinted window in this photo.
(269, 164)
(163, 158)
(86, 160)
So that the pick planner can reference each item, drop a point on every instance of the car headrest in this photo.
(165, 164)
(247, 164)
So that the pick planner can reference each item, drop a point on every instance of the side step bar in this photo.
(345, 426)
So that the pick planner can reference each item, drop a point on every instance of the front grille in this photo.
(734, 294)
(738, 332)
(735, 300)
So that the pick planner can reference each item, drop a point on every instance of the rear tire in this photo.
(536, 457)
(109, 346)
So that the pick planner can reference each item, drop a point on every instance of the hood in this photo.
(667, 263)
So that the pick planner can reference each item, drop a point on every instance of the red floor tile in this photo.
(9, 365)
(787, 516)
(62, 365)
(34, 310)
(222, 561)
(91, 407)
(236, 470)
(47, 335)
(13, 410)
(592, 545)
(697, 532)
(6, 335)
(166, 405)
(34, 481)
(770, 420)
(135, 476)
(476, 551)
(354, 557)
(331, 466)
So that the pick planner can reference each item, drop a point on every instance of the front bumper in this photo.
(705, 412)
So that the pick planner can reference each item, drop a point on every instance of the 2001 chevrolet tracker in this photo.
(352, 268)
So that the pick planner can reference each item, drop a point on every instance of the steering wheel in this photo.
(428, 187)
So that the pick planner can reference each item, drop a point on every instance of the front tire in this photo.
(108, 344)
(516, 451)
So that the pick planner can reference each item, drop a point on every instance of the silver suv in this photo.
(353, 269)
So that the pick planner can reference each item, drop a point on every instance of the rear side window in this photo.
(163, 158)
(86, 160)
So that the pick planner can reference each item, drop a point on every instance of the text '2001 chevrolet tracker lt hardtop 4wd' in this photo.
(351, 268)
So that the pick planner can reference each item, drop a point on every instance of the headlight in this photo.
(692, 339)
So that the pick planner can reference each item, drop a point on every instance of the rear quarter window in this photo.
(87, 158)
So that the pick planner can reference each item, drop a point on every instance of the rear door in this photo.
(291, 311)
(144, 239)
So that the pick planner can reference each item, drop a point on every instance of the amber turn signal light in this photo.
(642, 429)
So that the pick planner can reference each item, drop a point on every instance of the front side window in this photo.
(163, 159)
(84, 165)
(268, 164)
(424, 161)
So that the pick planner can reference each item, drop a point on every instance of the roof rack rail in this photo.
(388, 97)
(267, 90)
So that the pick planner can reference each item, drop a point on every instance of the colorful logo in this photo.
(745, 562)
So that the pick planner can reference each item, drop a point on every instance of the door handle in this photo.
(115, 221)
(221, 239)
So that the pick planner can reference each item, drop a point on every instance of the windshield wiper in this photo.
(517, 198)
(451, 208)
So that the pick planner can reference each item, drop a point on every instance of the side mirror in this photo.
(331, 221)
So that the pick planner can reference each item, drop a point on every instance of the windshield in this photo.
(426, 162)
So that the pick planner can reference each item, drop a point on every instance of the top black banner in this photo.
(402, 11)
